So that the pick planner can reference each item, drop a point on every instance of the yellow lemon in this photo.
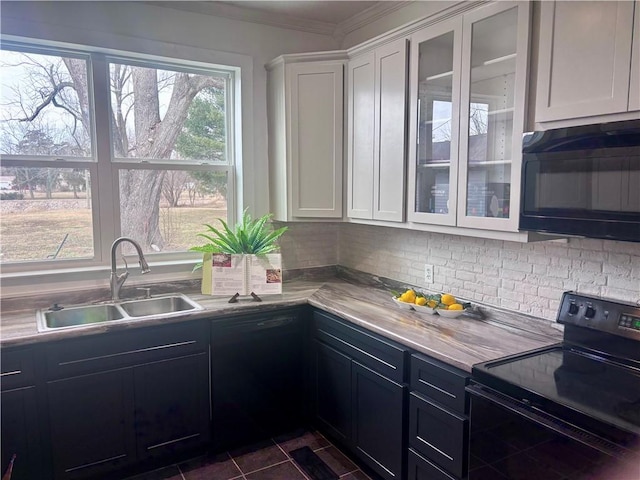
(448, 299)
(421, 301)
(409, 296)
(455, 306)
(432, 303)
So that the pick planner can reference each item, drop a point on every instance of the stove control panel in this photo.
(606, 315)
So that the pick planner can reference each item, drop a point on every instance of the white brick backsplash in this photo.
(528, 278)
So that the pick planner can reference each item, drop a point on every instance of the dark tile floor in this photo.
(268, 460)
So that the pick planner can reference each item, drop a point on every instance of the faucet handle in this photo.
(147, 291)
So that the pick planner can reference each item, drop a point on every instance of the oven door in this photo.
(511, 439)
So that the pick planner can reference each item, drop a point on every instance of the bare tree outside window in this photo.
(162, 117)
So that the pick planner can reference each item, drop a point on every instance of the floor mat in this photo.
(312, 464)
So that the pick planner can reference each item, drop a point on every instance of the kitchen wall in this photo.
(527, 278)
(524, 277)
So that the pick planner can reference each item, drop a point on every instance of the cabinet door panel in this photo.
(585, 50)
(494, 78)
(316, 139)
(172, 405)
(634, 84)
(378, 432)
(438, 434)
(434, 118)
(390, 105)
(361, 136)
(332, 391)
(20, 434)
(91, 421)
(443, 383)
(422, 469)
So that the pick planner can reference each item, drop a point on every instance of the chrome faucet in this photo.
(116, 280)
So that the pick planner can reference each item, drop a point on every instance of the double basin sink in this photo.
(76, 316)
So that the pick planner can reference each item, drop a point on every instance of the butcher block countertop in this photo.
(460, 342)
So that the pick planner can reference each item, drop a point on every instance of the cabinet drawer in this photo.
(18, 368)
(422, 469)
(440, 382)
(384, 356)
(122, 349)
(439, 435)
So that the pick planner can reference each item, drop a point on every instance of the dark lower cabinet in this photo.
(20, 423)
(333, 391)
(91, 424)
(171, 405)
(438, 421)
(378, 420)
(420, 468)
(353, 401)
(153, 407)
(21, 434)
(440, 435)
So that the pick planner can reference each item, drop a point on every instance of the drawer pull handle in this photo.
(173, 441)
(436, 388)
(361, 351)
(93, 464)
(141, 350)
(14, 372)
(435, 448)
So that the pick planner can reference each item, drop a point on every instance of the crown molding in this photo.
(235, 12)
(369, 15)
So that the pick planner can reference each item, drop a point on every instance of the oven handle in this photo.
(551, 422)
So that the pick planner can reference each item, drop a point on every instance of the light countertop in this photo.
(460, 342)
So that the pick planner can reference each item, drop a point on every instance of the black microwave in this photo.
(583, 181)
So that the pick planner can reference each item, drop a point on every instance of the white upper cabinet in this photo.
(376, 92)
(436, 60)
(634, 84)
(468, 95)
(305, 115)
(585, 59)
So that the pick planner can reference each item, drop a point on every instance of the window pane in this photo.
(168, 115)
(164, 210)
(45, 214)
(45, 105)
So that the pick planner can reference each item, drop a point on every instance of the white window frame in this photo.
(104, 168)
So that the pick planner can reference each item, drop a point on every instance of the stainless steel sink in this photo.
(159, 306)
(77, 316)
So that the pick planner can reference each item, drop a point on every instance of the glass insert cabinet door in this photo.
(435, 106)
(492, 115)
(467, 90)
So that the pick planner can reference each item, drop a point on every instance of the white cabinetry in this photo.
(305, 124)
(634, 82)
(585, 59)
(376, 91)
(468, 90)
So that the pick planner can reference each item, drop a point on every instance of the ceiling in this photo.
(329, 12)
(324, 17)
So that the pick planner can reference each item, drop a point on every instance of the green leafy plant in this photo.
(249, 237)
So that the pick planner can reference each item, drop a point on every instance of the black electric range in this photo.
(579, 398)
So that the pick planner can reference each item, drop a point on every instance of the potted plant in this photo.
(246, 256)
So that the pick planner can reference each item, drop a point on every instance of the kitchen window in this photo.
(95, 146)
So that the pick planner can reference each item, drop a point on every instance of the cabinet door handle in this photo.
(93, 464)
(176, 440)
(276, 322)
(130, 352)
